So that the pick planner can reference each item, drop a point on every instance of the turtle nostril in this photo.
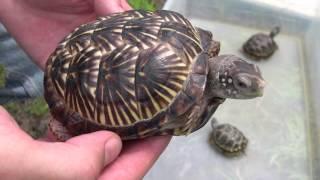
(261, 84)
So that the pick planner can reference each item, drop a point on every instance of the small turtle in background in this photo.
(227, 138)
(261, 46)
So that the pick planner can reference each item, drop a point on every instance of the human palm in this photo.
(38, 26)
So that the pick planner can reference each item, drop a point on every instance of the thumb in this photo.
(84, 156)
(105, 7)
(106, 144)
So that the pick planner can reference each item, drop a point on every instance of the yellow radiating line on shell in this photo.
(193, 50)
(174, 18)
(177, 84)
(146, 131)
(139, 110)
(79, 47)
(167, 99)
(91, 105)
(78, 98)
(166, 53)
(76, 60)
(101, 113)
(182, 34)
(125, 116)
(130, 91)
(149, 35)
(66, 65)
(102, 118)
(126, 61)
(185, 72)
(148, 111)
(132, 69)
(87, 110)
(86, 32)
(92, 91)
(183, 78)
(176, 65)
(182, 20)
(97, 55)
(89, 49)
(144, 46)
(59, 88)
(154, 102)
(134, 103)
(71, 95)
(170, 91)
(119, 120)
(189, 57)
(117, 115)
(118, 30)
(135, 116)
(141, 74)
(110, 45)
(110, 115)
(120, 52)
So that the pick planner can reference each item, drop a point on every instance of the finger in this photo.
(125, 5)
(13, 143)
(110, 147)
(105, 7)
(6, 119)
(82, 157)
(9, 127)
(136, 159)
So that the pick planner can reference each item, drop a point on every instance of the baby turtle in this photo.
(141, 74)
(261, 46)
(227, 138)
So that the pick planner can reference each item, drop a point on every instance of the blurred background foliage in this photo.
(143, 4)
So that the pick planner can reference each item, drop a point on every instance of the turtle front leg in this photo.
(207, 110)
(190, 121)
(195, 118)
(60, 132)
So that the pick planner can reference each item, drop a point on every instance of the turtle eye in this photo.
(242, 85)
(243, 82)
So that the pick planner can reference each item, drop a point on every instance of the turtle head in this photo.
(274, 31)
(231, 77)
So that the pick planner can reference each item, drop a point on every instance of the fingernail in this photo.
(112, 149)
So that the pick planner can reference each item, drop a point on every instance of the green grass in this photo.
(31, 115)
(143, 4)
(2, 76)
(12, 107)
(36, 108)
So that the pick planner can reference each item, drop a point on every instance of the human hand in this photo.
(38, 25)
(82, 157)
(90, 156)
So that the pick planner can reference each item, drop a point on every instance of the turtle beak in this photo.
(261, 85)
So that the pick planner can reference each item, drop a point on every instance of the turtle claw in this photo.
(59, 131)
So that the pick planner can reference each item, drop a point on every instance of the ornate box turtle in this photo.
(141, 74)
(260, 45)
(227, 138)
